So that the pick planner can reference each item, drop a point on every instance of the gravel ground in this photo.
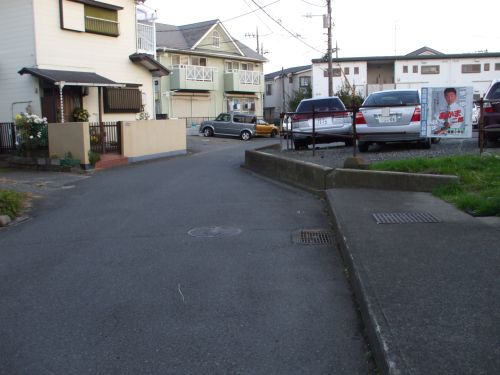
(334, 154)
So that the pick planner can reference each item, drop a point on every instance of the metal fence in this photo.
(105, 137)
(7, 137)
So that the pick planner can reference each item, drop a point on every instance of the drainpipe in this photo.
(61, 99)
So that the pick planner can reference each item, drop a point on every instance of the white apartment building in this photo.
(421, 68)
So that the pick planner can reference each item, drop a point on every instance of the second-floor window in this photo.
(430, 69)
(101, 21)
(471, 68)
(269, 89)
(304, 81)
(90, 16)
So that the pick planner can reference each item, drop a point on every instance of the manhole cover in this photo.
(405, 218)
(214, 231)
(312, 237)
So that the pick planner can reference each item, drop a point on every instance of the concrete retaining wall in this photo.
(298, 173)
(315, 177)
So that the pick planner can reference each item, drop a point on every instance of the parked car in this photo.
(332, 122)
(476, 113)
(232, 124)
(491, 112)
(264, 128)
(390, 116)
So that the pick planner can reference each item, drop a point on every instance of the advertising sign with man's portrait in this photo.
(446, 112)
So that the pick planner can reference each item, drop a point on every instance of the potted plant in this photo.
(81, 115)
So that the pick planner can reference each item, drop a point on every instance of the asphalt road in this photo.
(177, 266)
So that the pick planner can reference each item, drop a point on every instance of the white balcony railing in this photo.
(249, 77)
(146, 38)
(198, 73)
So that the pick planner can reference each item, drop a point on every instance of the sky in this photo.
(291, 32)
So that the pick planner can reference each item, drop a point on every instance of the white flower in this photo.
(31, 137)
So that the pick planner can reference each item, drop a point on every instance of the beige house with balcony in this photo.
(58, 55)
(211, 72)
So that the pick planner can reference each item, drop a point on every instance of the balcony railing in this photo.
(249, 77)
(101, 26)
(146, 38)
(198, 73)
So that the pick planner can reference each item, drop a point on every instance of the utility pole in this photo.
(329, 54)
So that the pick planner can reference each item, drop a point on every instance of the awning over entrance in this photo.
(71, 78)
(147, 61)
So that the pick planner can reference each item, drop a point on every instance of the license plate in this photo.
(322, 121)
(387, 119)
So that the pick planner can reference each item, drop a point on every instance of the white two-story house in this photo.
(424, 67)
(211, 72)
(282, 86)
(59, 55)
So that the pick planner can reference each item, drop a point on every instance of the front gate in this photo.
(105, 137)
(7, 137)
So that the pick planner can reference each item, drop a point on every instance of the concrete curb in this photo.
(385, 358)
(313, 177)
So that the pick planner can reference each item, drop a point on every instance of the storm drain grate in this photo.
(405, 218)
(312, 237)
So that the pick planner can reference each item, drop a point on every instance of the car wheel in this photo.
(245, 135)
(274, 133)
(426, 145)
(349, 142)
(435, 140)
(363, 146)
(207, 132)
(300, 145)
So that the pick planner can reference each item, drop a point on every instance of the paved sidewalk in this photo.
(428, 291)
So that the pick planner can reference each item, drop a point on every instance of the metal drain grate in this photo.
(312, 237)
(405, 218)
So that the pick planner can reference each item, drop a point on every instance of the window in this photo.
(486, 67)
(356, 70)
(405, 68)
(246, 66)
(346, 70)
(471, 68)
(430, 69)
(497, 66)
(269, 89)
(122, 100)
(336, 72)
(232, 66)
(179, 60)
(101, 21)
(89, 16)
(199, 61)
(304, 81)
(415, 69)
(216, 39)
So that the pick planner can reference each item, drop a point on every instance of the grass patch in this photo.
(478, 190)
(11, 203)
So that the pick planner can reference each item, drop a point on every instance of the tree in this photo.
(347, 94)
(298, 96)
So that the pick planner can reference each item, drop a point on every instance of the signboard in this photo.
(446, 112)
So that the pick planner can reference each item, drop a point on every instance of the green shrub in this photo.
(94, 157)
(11, 203)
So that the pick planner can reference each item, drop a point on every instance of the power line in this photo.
(314, 5)
(294, 35)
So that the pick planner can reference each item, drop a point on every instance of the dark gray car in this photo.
(233, 124)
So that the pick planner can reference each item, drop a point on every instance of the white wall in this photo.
(17, 50)
(320, 82)
(450, 74)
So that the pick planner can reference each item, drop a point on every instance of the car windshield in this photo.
(321, 105)
(494, 92)
(390, 98)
